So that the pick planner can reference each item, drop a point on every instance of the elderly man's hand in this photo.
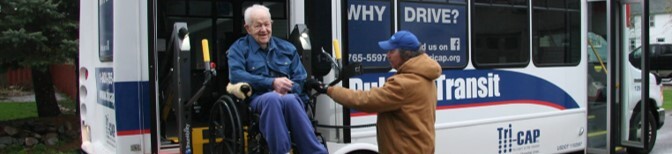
(282, 85)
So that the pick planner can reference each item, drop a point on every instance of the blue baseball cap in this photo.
(402, 40)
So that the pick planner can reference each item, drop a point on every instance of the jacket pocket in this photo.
(283, 65)
(256, 67)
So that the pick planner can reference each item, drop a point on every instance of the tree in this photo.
(36, 34)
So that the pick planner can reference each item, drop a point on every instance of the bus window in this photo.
(175, 7)
(106, 30)
(200, 7)
(225, 33)
(507, 43)
(556, 31)
(224, 9)
(436, 0)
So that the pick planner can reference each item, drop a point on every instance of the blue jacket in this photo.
(249, 63)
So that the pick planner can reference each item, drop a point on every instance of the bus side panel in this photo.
(132, 120)
(95, 85)
(505, 92)
(144, 75)
(541, 110)
(557, 132)
(131, 76)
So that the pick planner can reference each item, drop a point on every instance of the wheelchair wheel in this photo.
(256, 142)
(225, 125)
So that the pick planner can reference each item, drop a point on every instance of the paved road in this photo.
(664, 139)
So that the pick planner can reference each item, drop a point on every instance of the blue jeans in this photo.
(280, 112)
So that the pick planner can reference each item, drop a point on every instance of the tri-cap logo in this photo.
(522, 138)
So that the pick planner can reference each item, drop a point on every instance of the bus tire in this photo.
(635, 129)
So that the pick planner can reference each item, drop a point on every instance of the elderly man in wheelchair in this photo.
(270, 71)
(240, 131)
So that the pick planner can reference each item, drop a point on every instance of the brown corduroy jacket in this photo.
(406, 106)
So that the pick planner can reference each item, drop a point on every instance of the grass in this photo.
(39, 148)
(21, 110)
(17, 110)
(27, 111)
(667, 98)
(67, 144)
(70, 106)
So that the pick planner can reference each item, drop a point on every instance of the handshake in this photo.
(317, 85)
(348, 71)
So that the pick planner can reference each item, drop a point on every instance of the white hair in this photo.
(249, 10)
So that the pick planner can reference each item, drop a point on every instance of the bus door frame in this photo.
(615, 99)
(616, 28)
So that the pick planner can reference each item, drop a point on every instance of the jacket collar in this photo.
(421, 65)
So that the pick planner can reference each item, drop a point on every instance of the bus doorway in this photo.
(641, 113)
(597, 76)
(624, 103)
(221, 23)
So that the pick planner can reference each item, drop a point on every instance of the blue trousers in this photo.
(279, 115)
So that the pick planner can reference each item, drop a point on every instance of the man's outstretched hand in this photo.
(317, 85)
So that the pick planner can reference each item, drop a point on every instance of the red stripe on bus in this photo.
(133, 132)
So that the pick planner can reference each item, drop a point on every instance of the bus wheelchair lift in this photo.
(234, 127)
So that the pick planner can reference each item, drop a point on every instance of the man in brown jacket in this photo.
(406, 104)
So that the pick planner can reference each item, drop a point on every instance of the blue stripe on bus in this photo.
(513, 87)
(132, 107)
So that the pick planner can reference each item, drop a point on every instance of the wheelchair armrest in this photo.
(241, 90)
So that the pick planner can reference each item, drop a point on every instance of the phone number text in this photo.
(369, 57)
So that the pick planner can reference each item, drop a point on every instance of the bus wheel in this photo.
(225, 131)
(636, 129)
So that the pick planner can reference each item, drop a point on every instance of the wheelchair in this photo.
(234, 127)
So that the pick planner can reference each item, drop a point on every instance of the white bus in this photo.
(516, 74)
